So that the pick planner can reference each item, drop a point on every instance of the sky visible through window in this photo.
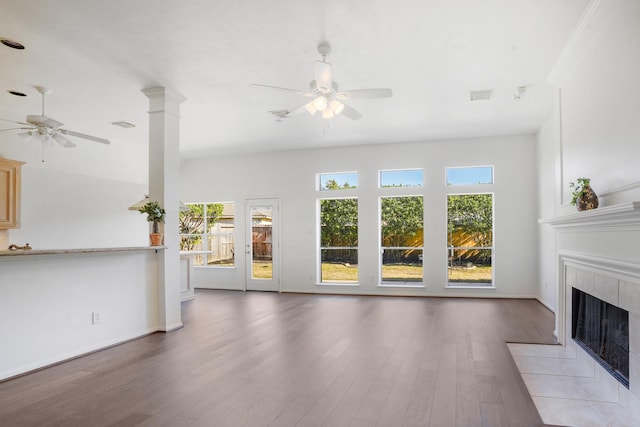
(341, 178)
(470, 175)
(413, 177)
(401, 178)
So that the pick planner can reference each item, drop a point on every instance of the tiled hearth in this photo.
(567, 386)
(570, 389)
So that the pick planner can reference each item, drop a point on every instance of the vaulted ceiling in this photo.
(97, 55)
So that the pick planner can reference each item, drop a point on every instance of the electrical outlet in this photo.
(96, 317)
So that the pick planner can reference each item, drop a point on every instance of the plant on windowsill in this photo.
(155, 214)
(584, 198)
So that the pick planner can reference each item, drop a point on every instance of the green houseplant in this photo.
(584, 198)
(155, 214)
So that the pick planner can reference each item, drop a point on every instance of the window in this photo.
(339, 240)
(401, 178)
(402, 239)
(207, 230)
(470, 240)
(337, 181)
(470, 175)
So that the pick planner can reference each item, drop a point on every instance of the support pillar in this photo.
(164, 186)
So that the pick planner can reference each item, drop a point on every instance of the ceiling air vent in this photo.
(480, 95)
(123, 124)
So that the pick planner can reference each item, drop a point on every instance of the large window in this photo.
(206, 229)
(339, 240)
(470, 239)
(402, 239)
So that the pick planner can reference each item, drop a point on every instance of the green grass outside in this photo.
(336, 272)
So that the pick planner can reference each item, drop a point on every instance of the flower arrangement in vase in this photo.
(584, 198)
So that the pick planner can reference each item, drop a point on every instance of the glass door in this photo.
(261, 247)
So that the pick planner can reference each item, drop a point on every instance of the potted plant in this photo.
(155, 214)
(584, 198)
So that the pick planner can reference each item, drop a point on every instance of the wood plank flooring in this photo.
(268, 359)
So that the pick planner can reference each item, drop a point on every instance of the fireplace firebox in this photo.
(602, 330)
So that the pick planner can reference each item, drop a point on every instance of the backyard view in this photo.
(470, 238)
(207, 229)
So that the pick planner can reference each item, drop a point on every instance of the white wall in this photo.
(291, 176)
(593, 132)
(47, 302)
(600, 107)
(67, 210)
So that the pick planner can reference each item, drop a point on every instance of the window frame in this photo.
(448, 184)
(399, 283)
(449, 249)
(320, 248)
(206, 235)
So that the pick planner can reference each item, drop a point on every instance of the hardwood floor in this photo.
(267, 359)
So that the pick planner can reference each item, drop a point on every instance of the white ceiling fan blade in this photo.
(365, 94)
(13, 121)
(299, 92)
(2, 130)
(65, 142)
(351, 113)
(324, 75)
(84, 136)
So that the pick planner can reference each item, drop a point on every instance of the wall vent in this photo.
(480, 95)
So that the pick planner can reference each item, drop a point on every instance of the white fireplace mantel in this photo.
(625, 216)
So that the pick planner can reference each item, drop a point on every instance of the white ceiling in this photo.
(97, 55)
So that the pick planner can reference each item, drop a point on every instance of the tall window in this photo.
(207, 230)
(470, 239)
(402, 239)
(339, 240)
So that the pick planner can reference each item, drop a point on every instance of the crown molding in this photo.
(571, 51)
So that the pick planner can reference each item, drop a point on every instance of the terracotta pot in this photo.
(588, 201)
(155, 239)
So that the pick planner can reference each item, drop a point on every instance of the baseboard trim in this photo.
(70, 358)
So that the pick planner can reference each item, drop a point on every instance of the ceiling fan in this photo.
(45, 129)
(326, 96)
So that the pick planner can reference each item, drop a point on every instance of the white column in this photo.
(164, 185)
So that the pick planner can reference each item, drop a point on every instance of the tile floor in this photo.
(570, 389)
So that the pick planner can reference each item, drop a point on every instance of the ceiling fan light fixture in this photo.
(26, 136)
(320, 103)
(327, 113)
(336, 106)
(311, 108)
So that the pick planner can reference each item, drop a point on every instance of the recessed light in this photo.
(16, 93)
(480, 95)
(123, 124)
(12, 44)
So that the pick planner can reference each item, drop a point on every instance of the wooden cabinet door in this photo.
(9, 193)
